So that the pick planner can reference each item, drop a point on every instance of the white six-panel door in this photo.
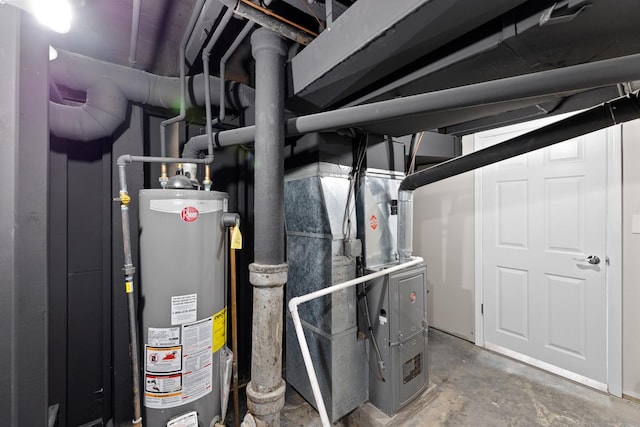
(543, 214)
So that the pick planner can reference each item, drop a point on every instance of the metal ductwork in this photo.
(608, 114)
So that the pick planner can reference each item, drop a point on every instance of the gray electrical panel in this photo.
(397, 312)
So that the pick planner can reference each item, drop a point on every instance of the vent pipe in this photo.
(608, 114)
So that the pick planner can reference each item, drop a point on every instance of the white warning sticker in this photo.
(190, 419)
(163, 383)
(163, 359)
(184, 309)
(197, 340)
(162, 400)
(163, 336)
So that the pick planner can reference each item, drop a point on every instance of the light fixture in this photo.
(55, 14)
(53, 53)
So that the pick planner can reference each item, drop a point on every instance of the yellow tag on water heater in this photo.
(236, 238)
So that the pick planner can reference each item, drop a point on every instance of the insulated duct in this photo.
(82, 73)
(561, 80)
(79, 72)
(608, 114)
(103, 112)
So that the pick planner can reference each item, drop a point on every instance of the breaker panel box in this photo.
(397, 308)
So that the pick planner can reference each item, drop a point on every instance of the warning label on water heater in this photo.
(163, 376)
(219, 330)
(175, 375)
(164, 359)
(197, 375)
(163, 383)
(164, 336)
(184, 309)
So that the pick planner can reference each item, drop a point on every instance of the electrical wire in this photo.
(353, 190)
(306, 4)
(369, 331)
(413, 155)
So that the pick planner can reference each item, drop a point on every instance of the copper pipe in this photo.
(234, 339)
(278, 17)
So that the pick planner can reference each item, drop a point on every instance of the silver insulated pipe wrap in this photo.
(405, 225)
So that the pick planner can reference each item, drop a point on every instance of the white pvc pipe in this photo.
(304, 348)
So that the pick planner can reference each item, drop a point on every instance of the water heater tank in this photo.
(182, 303)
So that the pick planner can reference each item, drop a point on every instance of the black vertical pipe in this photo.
(268, 272)
(269, 51)
(608, 114)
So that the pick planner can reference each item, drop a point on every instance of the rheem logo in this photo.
(189, 214)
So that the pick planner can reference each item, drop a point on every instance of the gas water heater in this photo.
(183, 304)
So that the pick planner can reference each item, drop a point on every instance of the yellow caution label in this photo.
(128, 286)
(219, 330)
(236, 238)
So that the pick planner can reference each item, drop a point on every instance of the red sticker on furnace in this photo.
(189, 214)
(373, 222)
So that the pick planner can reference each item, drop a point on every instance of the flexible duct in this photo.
(102, 113)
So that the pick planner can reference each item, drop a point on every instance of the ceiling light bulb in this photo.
(53, 53)
(55, 14)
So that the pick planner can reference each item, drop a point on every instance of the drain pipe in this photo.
(268, 272)
(197, 10)
(608, 114)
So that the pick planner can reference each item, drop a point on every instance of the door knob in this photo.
(591, 259)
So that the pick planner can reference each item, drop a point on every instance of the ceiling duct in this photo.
(103, 112)
(86, 74)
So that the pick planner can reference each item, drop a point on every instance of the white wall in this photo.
(444, 237)
(630, 260)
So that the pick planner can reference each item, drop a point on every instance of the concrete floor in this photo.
(471, 386)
